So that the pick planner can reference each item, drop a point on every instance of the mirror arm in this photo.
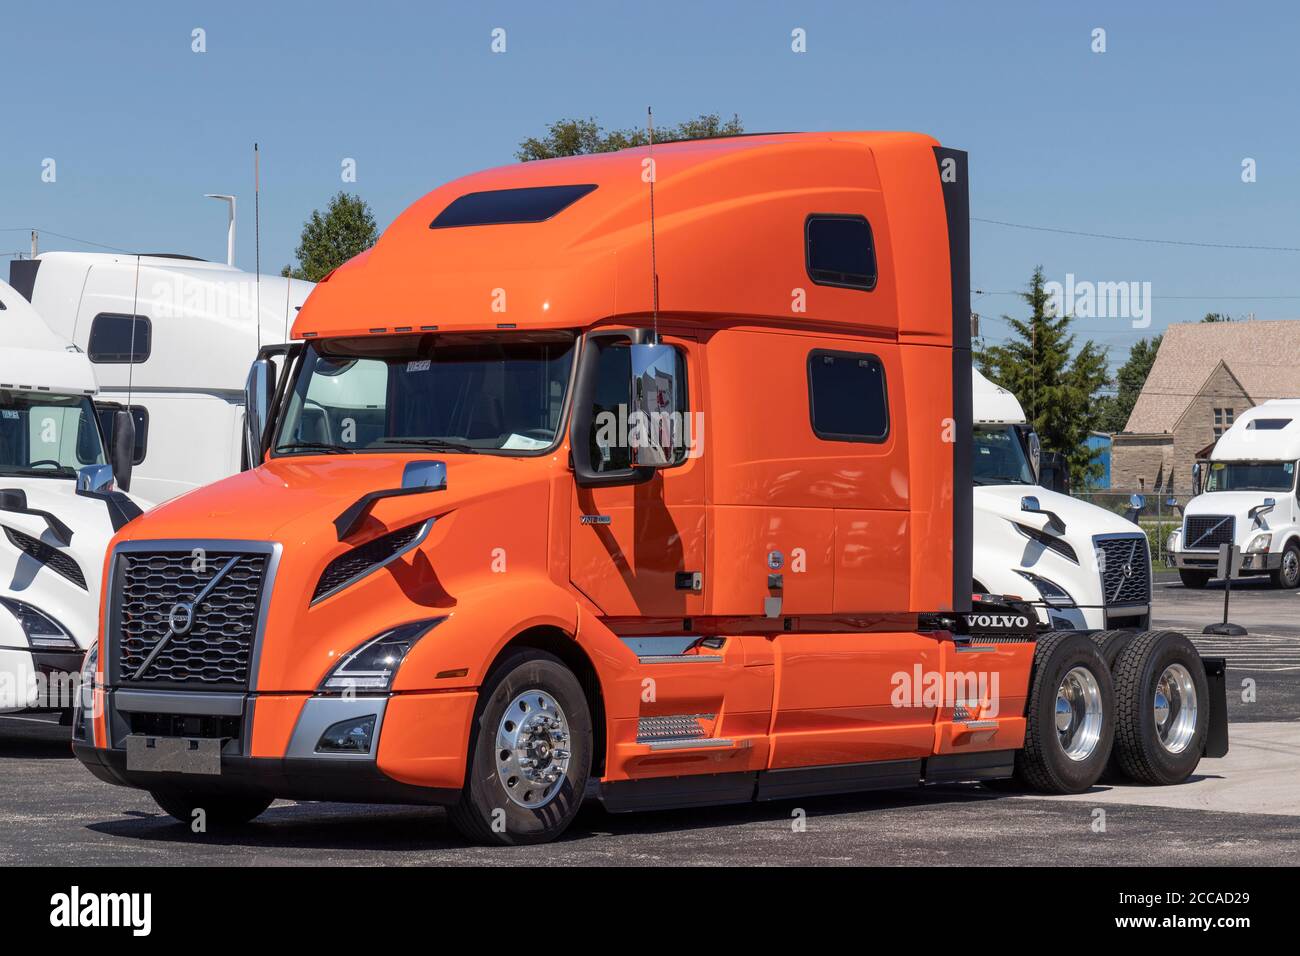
(62, 533)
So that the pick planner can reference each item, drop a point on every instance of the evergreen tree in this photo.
(1055, 383)
(1130, 378)
(578, 137)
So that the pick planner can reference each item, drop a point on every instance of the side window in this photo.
(840, 251)
(120, 339)
(141, 416)
(847, 399)
(611, 425)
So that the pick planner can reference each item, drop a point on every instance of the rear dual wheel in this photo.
(1070, 718)
(1162, 702)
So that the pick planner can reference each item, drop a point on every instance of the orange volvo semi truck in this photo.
(642, 477)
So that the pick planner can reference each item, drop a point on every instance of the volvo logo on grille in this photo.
(181, 617)
(1128, 569)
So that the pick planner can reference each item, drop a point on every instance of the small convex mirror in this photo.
(655, 423)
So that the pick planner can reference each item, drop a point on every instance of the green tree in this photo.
(578, 137)
(1130, 378)
(1217, 317)
(1054, 383)
(329, 240)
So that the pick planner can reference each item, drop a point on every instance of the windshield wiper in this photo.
(427, 443)
(1000, 480)
(315, 446)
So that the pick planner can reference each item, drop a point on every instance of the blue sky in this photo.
(1146, 139)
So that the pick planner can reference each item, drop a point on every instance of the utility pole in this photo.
(34, 249)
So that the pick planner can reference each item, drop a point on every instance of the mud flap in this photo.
(1216, 736)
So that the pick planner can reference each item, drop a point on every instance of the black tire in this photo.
(1110, 643)
(1043, 763)
(484, 799)
(1288, 575)
(1138, 748)
(221, 811)
(1198, 580)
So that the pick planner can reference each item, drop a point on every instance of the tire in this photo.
(1110, 643)
(1198, 580)
(1288, 575)
(1069, 759)
(221, 810)
(1147, 750)
(532, 810)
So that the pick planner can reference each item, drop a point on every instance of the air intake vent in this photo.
(353, 565)
(51, 557)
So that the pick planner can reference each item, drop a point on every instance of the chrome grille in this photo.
(1125, 568)
(1207, 532)
(223, 590)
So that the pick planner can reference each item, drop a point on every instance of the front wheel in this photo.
(530, 753)
(215, 810)
(1197, 580)
(1070, 722)
(1288, 573)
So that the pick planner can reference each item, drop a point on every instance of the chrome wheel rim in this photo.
(1290, 567)
(1078, 713)
(532, 755)
(1174, 706)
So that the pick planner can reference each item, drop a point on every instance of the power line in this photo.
(59, 235)
(1194, 298)
(1161, 242)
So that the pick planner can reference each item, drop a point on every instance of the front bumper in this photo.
(1254, 562)
(38, 680)
(268, 744)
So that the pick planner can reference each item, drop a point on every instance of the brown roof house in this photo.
(1205, 374)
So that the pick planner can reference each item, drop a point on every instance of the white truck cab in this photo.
(171, 338)
(1246, 496)
(1082, 566)
(58, 508)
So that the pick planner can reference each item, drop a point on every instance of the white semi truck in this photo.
(171, 339)
(58, 508)
(1082, 566)
(1246, 496)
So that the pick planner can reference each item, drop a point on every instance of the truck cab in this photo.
(170, 339)
(1081, 566)
(1246, 496)
(58, 510)
(565, 494)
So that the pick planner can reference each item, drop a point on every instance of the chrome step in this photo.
(675, 727)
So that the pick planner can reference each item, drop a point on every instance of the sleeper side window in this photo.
(847, 398)
(119, 339)
(840, 251)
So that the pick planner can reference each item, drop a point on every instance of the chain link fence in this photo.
(1161, 514)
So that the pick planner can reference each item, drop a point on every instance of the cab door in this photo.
(638, 545)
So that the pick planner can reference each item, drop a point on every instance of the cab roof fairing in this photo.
(729, 238)
(1245, 442)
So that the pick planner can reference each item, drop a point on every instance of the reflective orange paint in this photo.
(864, 530)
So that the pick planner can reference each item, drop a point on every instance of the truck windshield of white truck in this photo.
(1000, 457)
(463, 394)
(1251, 476)
(47, 435)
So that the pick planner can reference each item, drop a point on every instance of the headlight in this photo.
(1260, 542)
(371, 666)
(43, 632)
(1050, 591)
(84, 705)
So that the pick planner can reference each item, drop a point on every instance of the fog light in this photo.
(348, 736)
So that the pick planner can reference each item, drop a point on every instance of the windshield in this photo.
(1251, 476)
(457, 393)
(48, 436)
(1000, 457)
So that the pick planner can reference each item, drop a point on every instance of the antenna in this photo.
(230, 224)
(288, 285)
(257, 247)
(654, 270)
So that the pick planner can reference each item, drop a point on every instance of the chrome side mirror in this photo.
(121, 451)
(1196, 478)
(1036, 455)
(1268, 505)
(1137, 502)
(425, 474)
(655, 423)
(95, 478)
(258, 391)
(1030, 504)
